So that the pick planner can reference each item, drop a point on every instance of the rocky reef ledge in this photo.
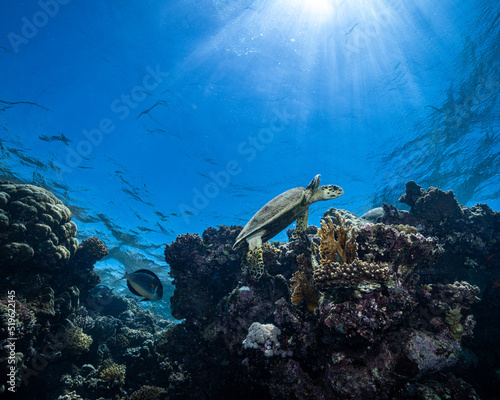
(389, 305)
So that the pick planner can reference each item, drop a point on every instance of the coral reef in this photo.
(433, 204)
(379, 325)
(380, 307)
(22, 318)
(92, 249)
(60, 330)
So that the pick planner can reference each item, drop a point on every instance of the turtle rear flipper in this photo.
(301, 224)
(254, 262)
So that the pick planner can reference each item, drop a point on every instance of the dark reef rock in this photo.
(433, 204)
(204, 271)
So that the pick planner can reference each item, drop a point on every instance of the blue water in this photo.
(154, 119)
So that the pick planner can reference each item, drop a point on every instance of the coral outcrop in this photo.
(35, 227)
(368, 326)
(198, 294)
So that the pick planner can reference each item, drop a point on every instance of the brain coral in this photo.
(35, 227)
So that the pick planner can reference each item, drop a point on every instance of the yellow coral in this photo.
(113, 373)
(453, 318)
(303, 288)
(147, 393)
(405, 228)
(338, 243)
(75, 341)
(337, 240)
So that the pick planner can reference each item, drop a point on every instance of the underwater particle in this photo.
(144, 283)
(272, 218)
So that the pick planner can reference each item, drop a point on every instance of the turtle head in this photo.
(314, 183)
(327, 192)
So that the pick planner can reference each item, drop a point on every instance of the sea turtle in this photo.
(277, 215)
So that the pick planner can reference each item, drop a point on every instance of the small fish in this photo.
(491, 256)
(100, 292)
(53, 138)
(144, 283)
(496, 283)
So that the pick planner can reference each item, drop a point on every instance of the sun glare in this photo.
(320, 7)
(317, 9)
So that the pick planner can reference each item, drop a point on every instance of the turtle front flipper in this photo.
(301, 224)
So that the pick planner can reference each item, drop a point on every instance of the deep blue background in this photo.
(208, 109)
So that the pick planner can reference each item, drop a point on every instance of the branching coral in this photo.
(337, 240)
(303, 288)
